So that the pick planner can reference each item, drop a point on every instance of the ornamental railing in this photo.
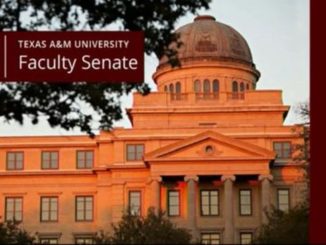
(236, 96)
(207, 96)
(271, 97)
(178, 96)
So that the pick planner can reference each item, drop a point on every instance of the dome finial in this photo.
(204, 17)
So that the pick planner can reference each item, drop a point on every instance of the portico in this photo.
(219, 165)
(193, 212)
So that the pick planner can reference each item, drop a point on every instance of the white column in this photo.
(228, 208)
(155, 182)
(265, 194)
(191, 203)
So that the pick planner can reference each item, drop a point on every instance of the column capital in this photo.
(191, 177)
(228, 177)
(154, 178)
(265, 176)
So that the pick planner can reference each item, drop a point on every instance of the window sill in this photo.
(210, 216)
(84, 221)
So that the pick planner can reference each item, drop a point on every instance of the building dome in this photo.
(207, 39)
(213, 56)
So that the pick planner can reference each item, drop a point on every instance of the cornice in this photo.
(45, 172)
(47, 144)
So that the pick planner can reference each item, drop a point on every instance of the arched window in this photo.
(166, 89)
(197, 86)
(171, 88)
(234, 87)
(247, 86)
(207, 87)
(235, 90)
(178, 87)
(242, 87)
(216, 86)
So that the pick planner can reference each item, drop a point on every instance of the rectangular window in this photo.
(210, 238)
(209, 202)
(282, 150)
(84, 208)
(14, 208)
(48, 240)
(173, 203)
(135, 202)
(84, 240)
(246, 238)
(49, 209)
(50, 160)
(135, 152)
(245, 202)
(85, 159)
(283, 199)
(15, 160)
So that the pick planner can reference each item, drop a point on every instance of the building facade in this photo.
(207, 147)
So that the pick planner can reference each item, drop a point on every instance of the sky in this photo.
(277, 32)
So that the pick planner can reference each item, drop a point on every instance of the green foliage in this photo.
(10, 233)
(64, 104)
(152, 229)
(285, 227)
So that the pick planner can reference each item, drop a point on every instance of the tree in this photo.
(152, 229)
(10, 233)
(285, 227)
(302, 150)
(60, 103)
(303, 111)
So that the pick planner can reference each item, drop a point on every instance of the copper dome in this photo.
(207, 39)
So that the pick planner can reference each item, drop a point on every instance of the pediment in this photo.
(209, 146)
